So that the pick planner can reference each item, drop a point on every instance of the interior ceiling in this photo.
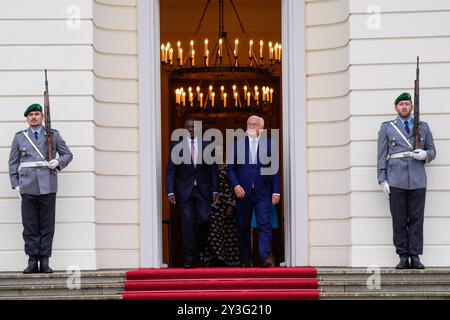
(260, 18)
(164, 4)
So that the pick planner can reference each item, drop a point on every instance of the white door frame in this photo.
(294, 134)
(150, 134)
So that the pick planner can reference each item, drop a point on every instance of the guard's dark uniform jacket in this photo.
(407, 172)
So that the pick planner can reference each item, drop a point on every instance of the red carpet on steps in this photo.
(222, 284)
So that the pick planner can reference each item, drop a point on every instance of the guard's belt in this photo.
(407, 154)
(33, 164)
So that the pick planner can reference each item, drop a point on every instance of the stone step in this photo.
(328, 274)
(384, 295)
(351, 284)
(60, 290)
(61, 278)
(93, 285)
(385, 286)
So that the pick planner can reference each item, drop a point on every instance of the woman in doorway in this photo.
(222, 240)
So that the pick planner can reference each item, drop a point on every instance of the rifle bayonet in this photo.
(416, 108)
(48, 122)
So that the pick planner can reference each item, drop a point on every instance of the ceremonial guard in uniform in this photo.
(401, 173)
(35, 179)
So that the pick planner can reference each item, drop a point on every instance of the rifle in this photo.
(48, 122)
(416, 108)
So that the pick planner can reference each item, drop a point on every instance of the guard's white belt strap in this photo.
(398, 155)
(33, 164)
(401, 134)
(34, 146)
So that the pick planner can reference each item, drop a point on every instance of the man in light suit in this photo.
(35, 179)
(254, 189)
(192, 185)
(401, 173)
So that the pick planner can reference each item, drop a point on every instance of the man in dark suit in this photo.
(191, 184)
(254, 189)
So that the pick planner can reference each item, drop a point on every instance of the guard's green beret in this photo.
(33, 107)
(402, 97)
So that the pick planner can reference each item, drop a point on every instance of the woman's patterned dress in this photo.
(223, 247)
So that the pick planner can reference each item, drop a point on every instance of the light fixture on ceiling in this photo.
(237, 81)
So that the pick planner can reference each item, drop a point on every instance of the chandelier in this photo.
(228, 78)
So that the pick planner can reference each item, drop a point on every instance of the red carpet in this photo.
(222, 284)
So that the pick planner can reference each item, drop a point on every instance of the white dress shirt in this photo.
(190, 151)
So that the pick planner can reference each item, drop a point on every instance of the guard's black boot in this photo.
(44, 266)
(32, 266)
(415, 263)
(404, 262)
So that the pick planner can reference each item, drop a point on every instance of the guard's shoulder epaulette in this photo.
(424, 124)
(21, 131)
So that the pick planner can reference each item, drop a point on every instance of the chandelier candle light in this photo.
(274, 53)
(246, 86)
(196, 100)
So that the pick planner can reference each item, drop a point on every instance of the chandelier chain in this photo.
(201, 19)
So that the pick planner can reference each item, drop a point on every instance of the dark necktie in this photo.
(407, 126)
(193, 155)
(36, 134)
(254, 149)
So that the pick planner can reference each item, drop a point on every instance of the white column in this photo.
(294, 133)
(150, 134)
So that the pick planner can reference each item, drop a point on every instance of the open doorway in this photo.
(179, 21)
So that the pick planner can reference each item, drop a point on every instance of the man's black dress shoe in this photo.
(44, 266)
(32, 266)
(188, 265)
(404, 262)
(415, 263)
(268, 262)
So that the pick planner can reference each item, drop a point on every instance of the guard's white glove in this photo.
(420, 154)
(53, 164)
(18, 191)
(386, 189)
